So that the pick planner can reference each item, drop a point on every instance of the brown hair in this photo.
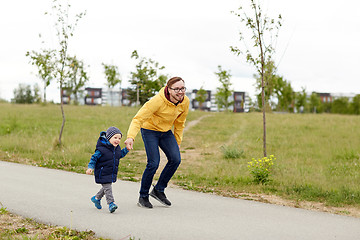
(173, 80)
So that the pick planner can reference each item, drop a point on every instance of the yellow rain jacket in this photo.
(159, 114)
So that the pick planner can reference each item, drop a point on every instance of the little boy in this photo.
(105, 161)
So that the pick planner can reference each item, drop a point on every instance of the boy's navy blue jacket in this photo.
(106, 160)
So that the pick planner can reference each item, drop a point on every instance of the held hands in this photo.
(89, 171)
(129, 143)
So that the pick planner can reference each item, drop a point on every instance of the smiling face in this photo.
(177, 91)
(115, 140)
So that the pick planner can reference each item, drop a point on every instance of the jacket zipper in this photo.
(101, 169)
(113, 178)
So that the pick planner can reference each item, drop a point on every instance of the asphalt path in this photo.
(63, 198)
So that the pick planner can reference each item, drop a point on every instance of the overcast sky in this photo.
(318, 45)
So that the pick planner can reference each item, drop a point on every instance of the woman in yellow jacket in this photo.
(155, 119)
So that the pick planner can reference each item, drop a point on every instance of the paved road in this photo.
(63, 198)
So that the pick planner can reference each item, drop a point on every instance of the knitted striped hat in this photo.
(111, 132)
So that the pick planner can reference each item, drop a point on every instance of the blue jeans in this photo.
(167, 142)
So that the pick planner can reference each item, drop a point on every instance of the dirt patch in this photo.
(194, 122)
(314, 206)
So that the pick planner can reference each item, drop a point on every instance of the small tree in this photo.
(355, 105)
(270, 79)
(112, 75)
(300, 100)
(24, 94)
(224, 92)
(261, 28)
(37, 97)
(276, 87)
(146, 80)
(77, 77)
(201, 96)
(44, 60)
(315, 103)
(340, 105)
(64, 30)
(284, 93)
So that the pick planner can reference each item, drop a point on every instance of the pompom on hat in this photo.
(111, 132)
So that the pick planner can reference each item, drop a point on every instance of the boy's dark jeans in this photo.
(167, 142)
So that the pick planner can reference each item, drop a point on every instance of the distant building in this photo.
(330, 97)
(350, 96)
(120, 97)
(66, 95)
(196, 105)
(125, 98)
(325, 97)
(109, 97)
(93, 96)
(241, 102)
(112, 97)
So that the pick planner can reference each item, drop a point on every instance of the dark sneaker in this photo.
(161, 197)
(144, 202)
(96, 202)
(112, 207)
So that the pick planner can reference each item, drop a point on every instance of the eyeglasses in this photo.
(177, 90)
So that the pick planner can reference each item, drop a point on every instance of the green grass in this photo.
(31, 132)
(318, 156)
(16, 227)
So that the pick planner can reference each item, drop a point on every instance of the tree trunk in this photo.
(63, 114)
(120, 97)
(262, 82)
(264, 115)
(137, 96)
(44, 92)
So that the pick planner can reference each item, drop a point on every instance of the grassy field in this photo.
(317, 156)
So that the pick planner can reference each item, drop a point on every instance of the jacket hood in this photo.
(103, 139)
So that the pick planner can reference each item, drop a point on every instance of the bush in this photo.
(232, 152)
(260, 169)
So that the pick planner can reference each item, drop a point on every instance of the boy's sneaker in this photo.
(161, 197)
(112, 207)
(96, 202)
(144, 202)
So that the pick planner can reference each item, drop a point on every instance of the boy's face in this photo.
(115, 140)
